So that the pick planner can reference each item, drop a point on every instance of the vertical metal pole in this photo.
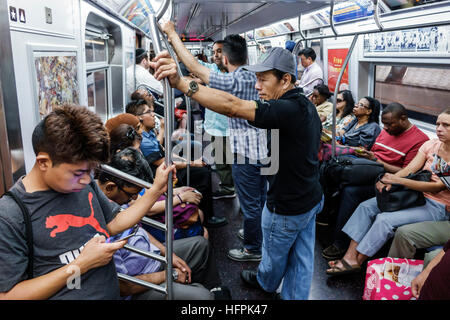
(168, 119)
(188, 109)
(336, 90)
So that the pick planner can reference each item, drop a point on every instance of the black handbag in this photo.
(400, 197)
(350, 170)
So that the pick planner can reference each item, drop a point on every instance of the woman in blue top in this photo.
(362, 131)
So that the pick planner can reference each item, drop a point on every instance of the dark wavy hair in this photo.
(71, 134)
(130, 161)
(323, 91)
(349, 102)
(375, 106)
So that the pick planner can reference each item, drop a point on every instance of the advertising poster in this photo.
(57, 83)
(427, 41)
(336, 58)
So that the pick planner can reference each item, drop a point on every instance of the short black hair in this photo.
(308, 53)
(141, 54)
(279, 74)
(396, 109)
(219, 42)
(323, 90)
(136, 107)
(235, 49)
(130, 161)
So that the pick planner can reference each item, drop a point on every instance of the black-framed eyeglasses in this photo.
(146, 112)
(129, 194)
(362, 105)
(339, 100)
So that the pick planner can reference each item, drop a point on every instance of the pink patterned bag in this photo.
(390, 278)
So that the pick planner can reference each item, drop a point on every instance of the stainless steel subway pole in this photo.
(168, 118)
(188, 109)
(336, 90)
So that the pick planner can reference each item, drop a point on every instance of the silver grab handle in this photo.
(168, 119)
(162, 9)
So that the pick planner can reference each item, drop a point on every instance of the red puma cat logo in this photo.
(64, 221)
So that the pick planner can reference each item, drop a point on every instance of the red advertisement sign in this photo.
(336, 58)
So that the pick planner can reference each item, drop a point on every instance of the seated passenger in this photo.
(369, 228)
(395, 147)
(123, 136)
(432, 282)
(143, 94)
(185, 200)
(319, 97)
(70, 216)
(344, 112)
(362, 131)
(422, 235)
(154, 153)
(199, 266)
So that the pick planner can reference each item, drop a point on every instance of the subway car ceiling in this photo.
(97, 39)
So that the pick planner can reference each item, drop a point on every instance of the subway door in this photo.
(104, 65)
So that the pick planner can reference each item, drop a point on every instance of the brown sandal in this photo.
(347, 268)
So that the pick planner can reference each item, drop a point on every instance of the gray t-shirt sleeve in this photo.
(13, 245)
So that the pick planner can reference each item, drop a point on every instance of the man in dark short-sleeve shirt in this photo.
(295, 196)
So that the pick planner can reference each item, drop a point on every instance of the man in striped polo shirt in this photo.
(248, 143)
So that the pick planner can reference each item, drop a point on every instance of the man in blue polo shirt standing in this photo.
(216, 125)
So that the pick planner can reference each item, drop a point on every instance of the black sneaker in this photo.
(221, 293)
(222, 194)
(249, 277)
(215, 222)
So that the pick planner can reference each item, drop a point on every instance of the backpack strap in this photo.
(29, 231)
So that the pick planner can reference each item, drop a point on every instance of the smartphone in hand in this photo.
(123, 235)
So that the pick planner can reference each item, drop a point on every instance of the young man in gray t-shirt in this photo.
(70, 217)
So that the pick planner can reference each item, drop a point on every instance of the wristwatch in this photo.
(175, 275)
(193, 88)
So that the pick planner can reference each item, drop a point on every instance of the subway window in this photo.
(424, 91)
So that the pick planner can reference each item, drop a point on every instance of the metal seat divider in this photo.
(143, 184)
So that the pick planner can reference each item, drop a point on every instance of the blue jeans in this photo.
(288, 252)
(371, 228)
(251, 188)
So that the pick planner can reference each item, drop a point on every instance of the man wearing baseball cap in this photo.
(295, 195)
